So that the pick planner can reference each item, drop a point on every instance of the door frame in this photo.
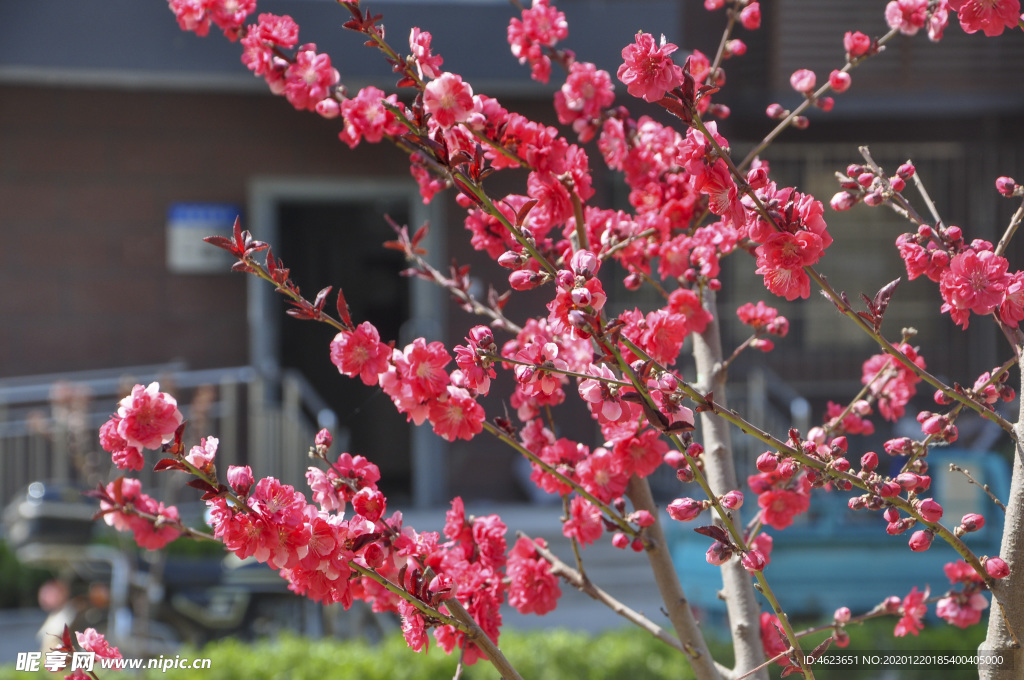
(427, 307)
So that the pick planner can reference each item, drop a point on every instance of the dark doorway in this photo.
(339, 243)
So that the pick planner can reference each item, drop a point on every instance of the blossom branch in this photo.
(810, 99)
(844, 307)
(895, 199)
(576, 486)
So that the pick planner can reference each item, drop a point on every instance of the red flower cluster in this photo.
(122, 504)
(781, 495)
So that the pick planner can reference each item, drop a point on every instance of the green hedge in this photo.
(548, 655)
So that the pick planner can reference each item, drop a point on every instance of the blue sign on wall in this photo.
(187, 225)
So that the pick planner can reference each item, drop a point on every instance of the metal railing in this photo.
(49, 423)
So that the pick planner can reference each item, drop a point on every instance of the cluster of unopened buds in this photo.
(863, 183)
(987, 390)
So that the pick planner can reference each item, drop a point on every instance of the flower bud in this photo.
(581, 297)
(803, 80)
(620, 540)
(897, 528)
(674, 459)
(685, 474)
(565, 279)
(767, 462)
(843, 200)
(750, 16)
(510, 259)
(897, 184)
(839, 80)
(524, 279)
(787, 469)
(323, 441)
(873, 199)
(753, 561)
(841, 638)
(328, 108)
(667, 382)
(441, 585)
(892, 604)
(637, 545)
(1006, 186)
(972, 522)
(374, 555)
(718, 554)
(585, 263)
(801, 122)
(763, 543)
(856, 44)
(735, 48)
(901, 446)
(842, 615)
(633, 281)
(685, 509)
(908, 480)
(934, 424)
(757, 178)
(955, 233)
(930, 510)
(889, 490)
(891, 514)
(825, 103)
(642, 518)
(578, 319)
(732, 500)
(776, 112)
(240, 479)
(720, 111)
(906, 170)
(921, 540)
(997, 568)
(869, 461)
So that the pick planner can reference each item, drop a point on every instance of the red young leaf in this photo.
(343, 311)
(420, 234)
(714, 531)
(221, 242)
(168, 464)
(204, 486)
(321, 299)
(524, 211)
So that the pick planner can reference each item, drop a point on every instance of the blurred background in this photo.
(124, 141)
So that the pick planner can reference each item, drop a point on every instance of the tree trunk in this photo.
(741, 603)
(1009, 592)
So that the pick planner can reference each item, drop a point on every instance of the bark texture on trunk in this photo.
(1006, 617)
(737, 585)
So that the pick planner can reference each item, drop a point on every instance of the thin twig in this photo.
(953, 467)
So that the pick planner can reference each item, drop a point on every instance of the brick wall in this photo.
(86, 177)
